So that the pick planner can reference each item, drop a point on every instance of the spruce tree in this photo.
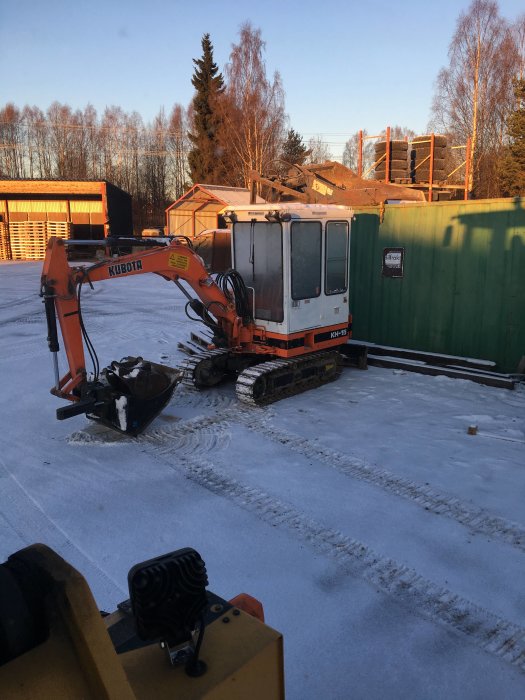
(204, 158)
(294, 152)
(512, 164)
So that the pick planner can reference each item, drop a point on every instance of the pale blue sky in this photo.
(344, 65)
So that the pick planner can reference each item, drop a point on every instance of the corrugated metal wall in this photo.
(463, 288)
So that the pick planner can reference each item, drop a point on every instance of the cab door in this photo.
(318, 274)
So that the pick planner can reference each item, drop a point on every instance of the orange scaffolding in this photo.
(430, 158)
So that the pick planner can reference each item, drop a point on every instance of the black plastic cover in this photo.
(168, 595)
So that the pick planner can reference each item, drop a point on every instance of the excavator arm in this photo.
(126, 395)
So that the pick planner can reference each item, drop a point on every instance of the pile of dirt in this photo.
(333, 183)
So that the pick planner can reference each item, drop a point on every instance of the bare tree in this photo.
(474, 94)
(111, 146)
(177, 147)
(518, 31)
(11, 142)
(78, 152)
(351, 152)
(38, 143)
(319, 150)
(92, 142)
(155, 162)
(251, 111)
(132, 139)
(60, 138)
(401, 133)
(149, 162)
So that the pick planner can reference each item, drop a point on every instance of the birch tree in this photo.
(252, 112)
(474, 93)
(177, 147)
(518, 32)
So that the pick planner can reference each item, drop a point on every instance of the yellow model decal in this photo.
(179, 261)
(320, 187)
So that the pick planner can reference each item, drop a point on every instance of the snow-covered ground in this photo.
(387, 544)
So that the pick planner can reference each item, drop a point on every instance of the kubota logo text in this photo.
(123, 268)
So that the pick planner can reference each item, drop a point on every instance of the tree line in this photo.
(236, 123)
(148, 161)
(478, 100)
(232, 126)
(478, 92)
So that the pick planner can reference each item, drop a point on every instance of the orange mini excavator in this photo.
(277, 320)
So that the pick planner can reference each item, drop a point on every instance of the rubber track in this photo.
(190, 364)
(483, 628)
(247, 379)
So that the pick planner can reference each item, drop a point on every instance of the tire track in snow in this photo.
(184, 447)
(31, 318)
(476, 519)
(195, 436)
(36, 348)
(20, 301)
(19, 350)
(29, 521)
(207, 399)
(485, 629)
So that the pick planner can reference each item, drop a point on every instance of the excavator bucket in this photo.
(139, 391)
(127, 396)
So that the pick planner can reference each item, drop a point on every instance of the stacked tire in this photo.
(398, 166)
(420, 159)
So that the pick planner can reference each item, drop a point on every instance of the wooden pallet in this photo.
(28, 239)
(5, 250)
(60, 229)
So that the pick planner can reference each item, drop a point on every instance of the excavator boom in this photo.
(126, 395)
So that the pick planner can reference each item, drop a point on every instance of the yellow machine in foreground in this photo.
(54, 642)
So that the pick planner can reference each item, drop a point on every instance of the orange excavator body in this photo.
(286, 302)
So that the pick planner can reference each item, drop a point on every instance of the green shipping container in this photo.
(445, 277)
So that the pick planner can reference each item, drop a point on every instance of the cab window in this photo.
(306, 259)
(336, 272)
(258, 257)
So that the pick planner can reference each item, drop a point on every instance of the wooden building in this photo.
(33, 210)
(198, 209)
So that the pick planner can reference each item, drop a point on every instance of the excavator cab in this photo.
(295, 260)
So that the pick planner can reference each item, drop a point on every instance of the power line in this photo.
(139, 131)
